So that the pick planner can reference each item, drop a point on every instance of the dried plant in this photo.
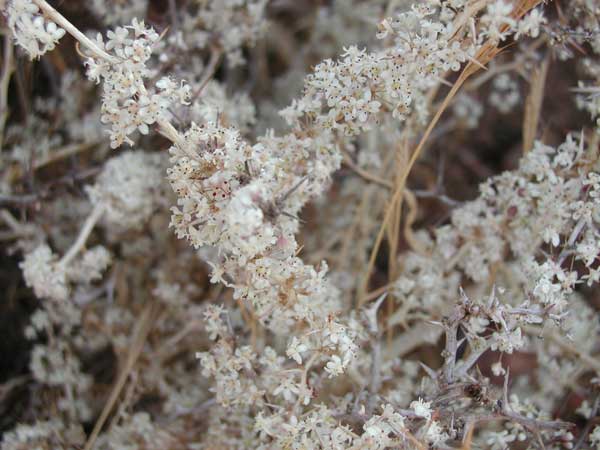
(280, 226)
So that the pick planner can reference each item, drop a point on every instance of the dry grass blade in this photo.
(7, 70)
(411, 217)
(471, 10)
(468, 438)
(64, 152)
(139, 338)
(533, 105)
(402, 156)
(397, 196)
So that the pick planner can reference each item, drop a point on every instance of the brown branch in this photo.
(363, 173)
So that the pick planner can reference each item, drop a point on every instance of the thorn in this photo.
(477, 63)
(164, 33)
(371, 313)
(293, 189)
(432, 373)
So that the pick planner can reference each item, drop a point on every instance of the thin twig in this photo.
(11, 199)
(363, 173)
(209, 72)
(63, 152)
(589, 424)
(441, 197)
(451, 329)
(139, 338)
(87, 228)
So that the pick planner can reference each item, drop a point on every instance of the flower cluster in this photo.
(50, 277)
(228, 25)
(127, 189)
(117, 12)
(30, 29)
(239, 198)
(347, 95)
(127, 103)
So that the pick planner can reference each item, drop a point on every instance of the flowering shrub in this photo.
(245, 224)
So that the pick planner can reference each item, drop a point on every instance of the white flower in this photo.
(295, 348)
(496, 17)
(384, 28)
(436, 434)
(588, 250)
(421, 408)
(551, 236)
(595, 437)
(497, 369)
(584, 410)
(507, 342)
(117, 38)
(499, 440)
(530, 24)
(287, 388)
(334, 366)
